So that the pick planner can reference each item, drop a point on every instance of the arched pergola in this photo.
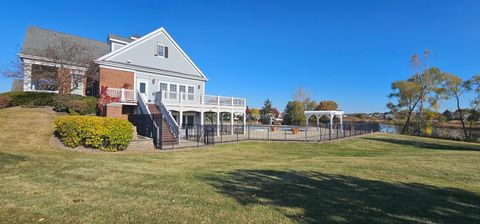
(328, 113)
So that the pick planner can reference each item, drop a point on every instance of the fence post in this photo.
(321, 136)
(351, 126)
(306, 133)
(268, 133)
(329, 132)
(221, 133)
(337, 132)
(198, 135)
(248, 133)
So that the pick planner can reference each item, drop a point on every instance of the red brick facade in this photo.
(119, 111)
(116, 78)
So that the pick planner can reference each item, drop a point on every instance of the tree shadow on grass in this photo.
(326, 198)
(7, 159)
(426, 145)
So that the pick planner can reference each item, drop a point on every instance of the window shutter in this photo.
(155, 50)
(166, 52)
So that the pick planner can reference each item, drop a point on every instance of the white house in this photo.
(145, 74)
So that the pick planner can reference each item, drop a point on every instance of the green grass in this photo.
(372, 179)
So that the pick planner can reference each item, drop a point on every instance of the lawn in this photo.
(376, 178)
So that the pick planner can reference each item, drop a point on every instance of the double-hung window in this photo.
(161, 50)
(163, 86)
(164, 89)
(183, 91)
(191, 92)
(173, 91)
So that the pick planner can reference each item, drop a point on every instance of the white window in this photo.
(183, 89)
(163, 86)
(191, 91)
(173, 92)
(161, 50)
(173, 87)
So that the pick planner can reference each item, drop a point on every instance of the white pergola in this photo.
(328, 113)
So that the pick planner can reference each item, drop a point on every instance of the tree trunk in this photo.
(405, 126)
(407, 122)
(461, 118)
(420, 120)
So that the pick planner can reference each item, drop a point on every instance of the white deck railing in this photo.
(168, 97)
(124, 95)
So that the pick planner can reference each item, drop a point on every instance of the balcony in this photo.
(123, 95)
(176, 98)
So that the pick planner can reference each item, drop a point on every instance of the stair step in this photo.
(167, 133)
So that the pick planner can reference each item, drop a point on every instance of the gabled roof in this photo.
(140, 40)
(38, 39)
(117, 37)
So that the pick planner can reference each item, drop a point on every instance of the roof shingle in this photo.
(38, 39)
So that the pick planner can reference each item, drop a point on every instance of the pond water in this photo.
(390, 128)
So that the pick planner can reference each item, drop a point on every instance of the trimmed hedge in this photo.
(75, 104)
(107, 134)
(30, 99)
(5, 101)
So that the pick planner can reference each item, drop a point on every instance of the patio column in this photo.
(318, 121)
(218, 122)
(244, 122)
(231, 123)
(27, 76)
(341, 123)
(201, 118)
(180, 119)
(331, 122)
(306, 122)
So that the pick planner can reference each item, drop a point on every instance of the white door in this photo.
(142, 87)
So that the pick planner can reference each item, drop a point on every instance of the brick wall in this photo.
(119, 111)
(116, 78)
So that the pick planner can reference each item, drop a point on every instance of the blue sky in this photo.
(348, 51)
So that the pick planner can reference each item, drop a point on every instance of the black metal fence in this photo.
(201, 135)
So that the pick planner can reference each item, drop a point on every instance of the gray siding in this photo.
(143, 54)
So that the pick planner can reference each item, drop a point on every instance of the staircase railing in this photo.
(168, 118)
(142, 104)
(156, 132)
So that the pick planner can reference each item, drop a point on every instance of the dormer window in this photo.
(161, 50)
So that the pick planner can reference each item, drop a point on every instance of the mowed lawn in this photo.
(376, 178)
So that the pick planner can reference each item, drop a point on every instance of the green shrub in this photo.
(31, 99)
(107, 134)
(91, 104)
(74, 104)
(60, 100)
(5, 101)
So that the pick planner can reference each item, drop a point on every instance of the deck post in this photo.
(218, 122)
(244, 122)
(231, 123)
(122, 95)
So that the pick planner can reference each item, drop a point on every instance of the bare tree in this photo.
(301, 94)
